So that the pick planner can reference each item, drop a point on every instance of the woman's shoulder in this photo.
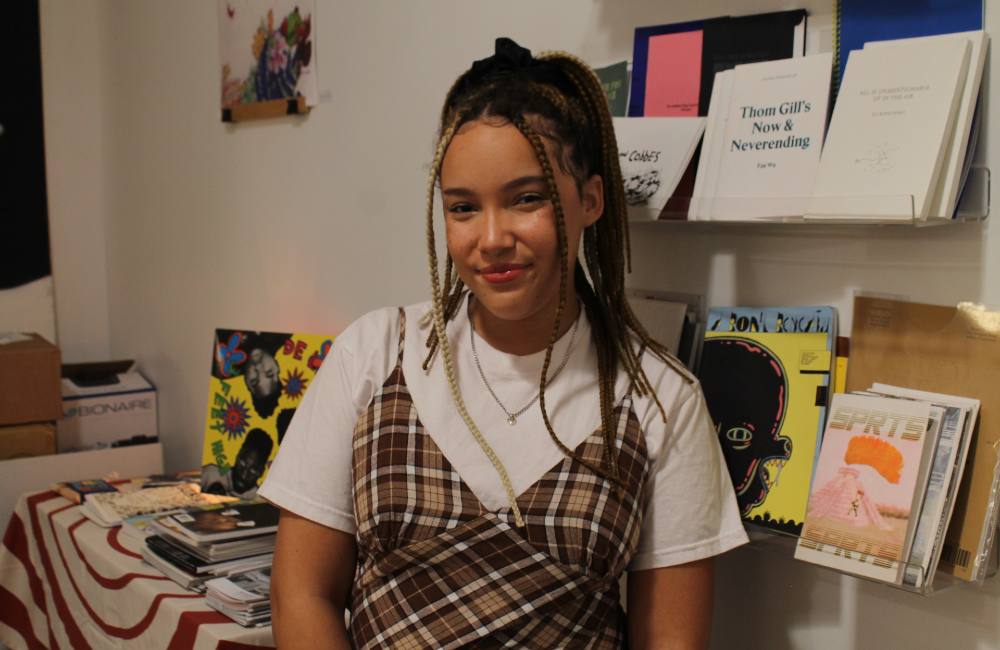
(376, 332)
(673, 383)
(381, 321)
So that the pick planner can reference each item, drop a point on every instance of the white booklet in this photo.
(945, 196)
(771, 141)
(702, 206)
(653, 153)
(946, 476)
(889, 131)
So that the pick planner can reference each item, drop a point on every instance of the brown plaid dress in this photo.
(437, 570)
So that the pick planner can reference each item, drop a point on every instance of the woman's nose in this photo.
(496, 235)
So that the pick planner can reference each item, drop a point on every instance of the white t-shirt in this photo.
(691, 511)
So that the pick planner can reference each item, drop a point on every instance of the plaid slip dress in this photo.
(438, 570)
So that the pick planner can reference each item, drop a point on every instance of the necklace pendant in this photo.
(511, 420)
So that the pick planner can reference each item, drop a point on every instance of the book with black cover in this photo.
(732, 40)
(176, 556)
(77, 491)
(226, 521)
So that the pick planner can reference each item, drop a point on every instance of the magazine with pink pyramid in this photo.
(866, 491)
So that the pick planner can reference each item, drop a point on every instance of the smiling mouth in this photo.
(500, 273)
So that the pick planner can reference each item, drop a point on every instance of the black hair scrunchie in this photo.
(510, 61)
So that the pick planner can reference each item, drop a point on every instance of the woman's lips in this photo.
(502, 273)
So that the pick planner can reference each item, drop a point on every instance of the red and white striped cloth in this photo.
(67, 583)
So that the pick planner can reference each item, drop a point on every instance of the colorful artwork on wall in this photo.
(268, 58)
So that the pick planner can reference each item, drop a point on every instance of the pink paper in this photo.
(673, 75)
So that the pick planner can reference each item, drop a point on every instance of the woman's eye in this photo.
(530, 198)
(460, 208)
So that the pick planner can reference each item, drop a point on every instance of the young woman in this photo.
(480, 470)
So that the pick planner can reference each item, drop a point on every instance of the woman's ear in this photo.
(592, 199)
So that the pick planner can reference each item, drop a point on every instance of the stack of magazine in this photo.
(243, 597)
(886, 482)
(111, 508)
(197, 544)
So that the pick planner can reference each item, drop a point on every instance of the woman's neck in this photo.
(521, 337)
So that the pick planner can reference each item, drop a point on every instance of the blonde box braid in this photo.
(607, 430)
(606, 249)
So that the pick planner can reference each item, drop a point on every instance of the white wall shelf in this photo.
(867, 211)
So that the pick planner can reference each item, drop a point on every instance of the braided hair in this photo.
(554, 96)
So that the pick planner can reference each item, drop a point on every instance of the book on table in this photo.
(243, 597)
(212, 551)
(109, 509)
(78, 491)
(229, 521)
(191, 563)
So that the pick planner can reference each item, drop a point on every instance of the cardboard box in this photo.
(104, 405)
(29, 381)
(951, 350)
(24, 440)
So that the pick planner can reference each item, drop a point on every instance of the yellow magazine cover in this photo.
(767, 395)
(258, 380)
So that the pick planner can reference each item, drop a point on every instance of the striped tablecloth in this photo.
(67, 583)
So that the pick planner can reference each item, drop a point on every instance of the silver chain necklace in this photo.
(512, 417)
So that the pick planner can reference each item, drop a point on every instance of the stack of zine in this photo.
(903, 132)
(201, 543)
(243, 597)
(886, 482)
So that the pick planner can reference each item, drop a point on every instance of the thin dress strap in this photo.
(402, 335)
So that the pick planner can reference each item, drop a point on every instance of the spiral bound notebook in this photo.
(859, 21)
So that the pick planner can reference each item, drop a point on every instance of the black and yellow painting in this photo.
(258, 381)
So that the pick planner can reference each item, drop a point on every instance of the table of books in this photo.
(65, 582)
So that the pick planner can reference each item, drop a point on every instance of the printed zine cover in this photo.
(772, 139)
(225, 521)
(614, 79)
(653, 153)
(257, 381)
(890, 131)
(868, 486)
(765, 374)
(945, 198)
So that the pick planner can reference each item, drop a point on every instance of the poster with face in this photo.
(258, 379)
(765, 392)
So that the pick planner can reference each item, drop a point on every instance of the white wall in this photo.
(28, 308)
(306, 224)
(74, 47)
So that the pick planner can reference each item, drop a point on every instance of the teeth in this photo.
(771, 469)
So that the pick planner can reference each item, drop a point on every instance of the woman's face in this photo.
(261, 373)
(500, 223)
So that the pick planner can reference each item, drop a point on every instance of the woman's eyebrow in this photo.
(509, 185)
